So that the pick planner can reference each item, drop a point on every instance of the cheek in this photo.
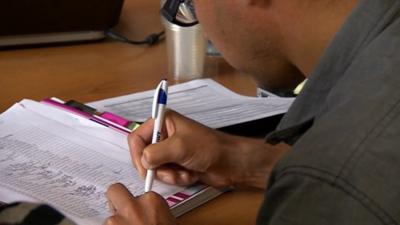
(204, 15)
(207, 13)
(200, 8)
(218, 27)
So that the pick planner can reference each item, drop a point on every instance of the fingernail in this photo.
(169, 179)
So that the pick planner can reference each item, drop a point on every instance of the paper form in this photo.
(204, 101)
(43, 160)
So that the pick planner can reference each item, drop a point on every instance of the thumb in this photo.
(170, 150)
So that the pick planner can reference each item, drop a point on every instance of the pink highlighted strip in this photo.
(181, 195)
(114, 118)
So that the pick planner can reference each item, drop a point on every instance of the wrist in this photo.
(253, 161)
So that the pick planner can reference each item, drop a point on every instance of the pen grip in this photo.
(149, 180)
(158, 123)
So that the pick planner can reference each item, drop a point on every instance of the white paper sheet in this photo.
(204, 100)
(43, 160)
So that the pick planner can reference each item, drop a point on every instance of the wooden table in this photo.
(88, 72)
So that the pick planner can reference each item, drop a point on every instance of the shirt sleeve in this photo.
(300, 199)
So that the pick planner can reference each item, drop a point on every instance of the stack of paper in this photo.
(52, 156)
(49, 154)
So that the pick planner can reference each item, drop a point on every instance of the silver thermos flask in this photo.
(186, 45)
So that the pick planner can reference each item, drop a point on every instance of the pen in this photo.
(158, 110)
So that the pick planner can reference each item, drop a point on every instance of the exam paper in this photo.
(204, 101)
(43, 160)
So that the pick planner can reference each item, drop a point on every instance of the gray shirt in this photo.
(344, 166)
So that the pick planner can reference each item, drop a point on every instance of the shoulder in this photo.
(350, 155)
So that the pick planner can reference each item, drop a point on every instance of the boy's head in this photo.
(276, 41)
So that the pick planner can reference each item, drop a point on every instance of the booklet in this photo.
(50, 155)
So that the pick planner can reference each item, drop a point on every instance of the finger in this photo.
(138, 140)
(171, 150)
(111, 207)
(119, 196)
(143, 135)
(176, 122)
(153, 199)
(113, 220)
(177, 175)
(170, 116)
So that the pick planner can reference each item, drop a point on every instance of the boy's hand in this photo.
(148, 209)
(190, 152)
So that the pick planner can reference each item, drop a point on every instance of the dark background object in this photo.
(40, 17)
(257, 128)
